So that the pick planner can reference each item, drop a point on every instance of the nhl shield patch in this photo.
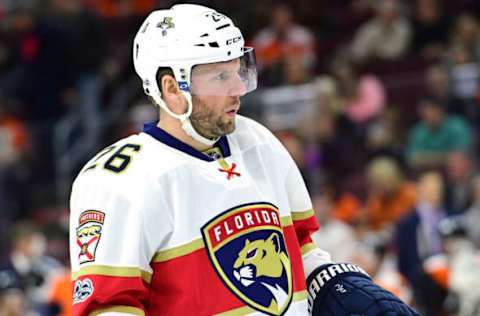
(89, 231)
(249, 254)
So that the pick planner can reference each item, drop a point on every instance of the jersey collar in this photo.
(159, 134)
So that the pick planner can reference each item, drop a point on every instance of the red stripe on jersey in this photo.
(304, 228)
(190, 285)
(185, 285)
(112, 290)
(298, 274)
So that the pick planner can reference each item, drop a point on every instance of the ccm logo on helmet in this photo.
(233, 40)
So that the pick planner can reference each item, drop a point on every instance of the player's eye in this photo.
(251, 253)
(223, 76)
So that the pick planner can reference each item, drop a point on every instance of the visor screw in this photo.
(229, 53)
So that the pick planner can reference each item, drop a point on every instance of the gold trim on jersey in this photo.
(185, 249)
(300, 296)
(119, 309)
(298, 216)
(286, 221)
(113, 271)
(307, 248)
(297, 296)
(238, 311)
(178, 251)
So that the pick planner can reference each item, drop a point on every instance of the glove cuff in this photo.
(322, 279)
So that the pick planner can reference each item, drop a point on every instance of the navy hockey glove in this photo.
(343, 289)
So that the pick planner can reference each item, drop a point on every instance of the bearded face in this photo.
(216, 91)
(214, 118)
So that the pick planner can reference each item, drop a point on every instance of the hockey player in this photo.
(204, 212)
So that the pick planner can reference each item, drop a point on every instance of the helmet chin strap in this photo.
(188, 127)
(185, 119)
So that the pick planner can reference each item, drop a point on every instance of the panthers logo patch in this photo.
(248, 251)
(89, 232)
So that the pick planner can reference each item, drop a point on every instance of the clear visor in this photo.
(235, 77)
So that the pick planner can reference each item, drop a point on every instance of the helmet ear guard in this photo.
(180, 38)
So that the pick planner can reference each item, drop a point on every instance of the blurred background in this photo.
(378, 102)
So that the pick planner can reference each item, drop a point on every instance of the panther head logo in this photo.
(263, 261)
(248, 251)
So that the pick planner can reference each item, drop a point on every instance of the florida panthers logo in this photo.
(89, 232)
(248, 251)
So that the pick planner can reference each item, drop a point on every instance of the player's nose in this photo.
(238, 87)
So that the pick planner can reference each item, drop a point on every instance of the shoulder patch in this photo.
(82, 290)
(89, 231)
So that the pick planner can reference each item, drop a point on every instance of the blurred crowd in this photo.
(378, 102)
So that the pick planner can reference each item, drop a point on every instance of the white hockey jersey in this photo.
(159, 228)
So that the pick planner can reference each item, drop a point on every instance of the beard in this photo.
(208, 123)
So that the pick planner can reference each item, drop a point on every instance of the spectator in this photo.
(12, 300)
(463, 265)
(13, 169)
(337, 140)
(390, 197)
(379, 261)
(383, 135)
(295, 146)
(430, 29)
(466, 34)
(336, 237)
(417, 238)
(13, 135)
(115, 8)
(81, 29)
(363, 96)
(386, 36)
(472, 214)
(437, 85)
(283, 38)
(459, 176)
(29, 265)
(295, 71)
(436, 135)
(463, 65)
(40, 70)
(60, 296)
(464, 75)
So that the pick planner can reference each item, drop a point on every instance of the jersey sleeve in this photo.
(304, 220)
(111, 245)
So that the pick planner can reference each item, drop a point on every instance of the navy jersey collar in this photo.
(159, 134)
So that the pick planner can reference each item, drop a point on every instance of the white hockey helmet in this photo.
(180, 38)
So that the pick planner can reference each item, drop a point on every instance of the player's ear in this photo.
(172, 94)
(169, 85)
